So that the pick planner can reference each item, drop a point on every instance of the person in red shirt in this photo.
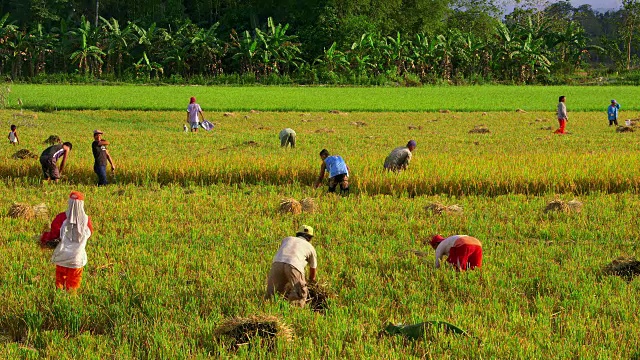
(462, 251)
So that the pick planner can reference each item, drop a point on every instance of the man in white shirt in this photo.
(400, 157)
(287, 269)
(462, 251)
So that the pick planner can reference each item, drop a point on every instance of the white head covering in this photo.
(74, 233)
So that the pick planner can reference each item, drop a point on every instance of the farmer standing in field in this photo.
(70, 255)
(193, 110)
(101, 156)
(338, 172)
(400, 157)
(287, 136)
(287, 269)
(462, 251)
(562, 116)
(49, 160)
(612, 112)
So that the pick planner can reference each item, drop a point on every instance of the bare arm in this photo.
(64, 160)
(323, 167)
(201, 115)
(113, 167)
(187, 117)
(312, 274)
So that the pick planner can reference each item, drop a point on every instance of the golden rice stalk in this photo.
(41, 210)
(521, 111)
(625, 267)
(238, 331)
(438, 208)
(575, 205)
(308, 205)
(21, 210)
(290, 205)
(319, 294)
(24, 154)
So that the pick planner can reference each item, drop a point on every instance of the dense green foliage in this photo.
(302, 98)
(185, 236)
(316, 42)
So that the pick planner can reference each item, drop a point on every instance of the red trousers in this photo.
(68, 278)
(562, 123)
(465, 256)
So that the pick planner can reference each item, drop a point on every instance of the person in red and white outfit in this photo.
(462, 251)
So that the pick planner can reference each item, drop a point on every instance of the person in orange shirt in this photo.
(69, 255)
(462, 251)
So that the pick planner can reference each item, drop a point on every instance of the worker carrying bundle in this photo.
(287, 269)
(462, 251)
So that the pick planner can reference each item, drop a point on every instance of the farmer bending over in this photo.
(70, 255)
(461, 250)
(400, 157)
(49, 160)
(287, 136)
(287, 269)
(338, 172)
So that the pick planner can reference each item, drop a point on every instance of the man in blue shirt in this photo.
(338, 172)
(612, 112)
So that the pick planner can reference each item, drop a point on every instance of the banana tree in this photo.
(244, 49)
(116, 41)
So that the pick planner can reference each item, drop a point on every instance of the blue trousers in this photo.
(101, 171)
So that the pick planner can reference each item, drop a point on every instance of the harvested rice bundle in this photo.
(40, 210)
(52, 140)
(359, 123)
(318, 296)
(625, 267)
(239, 331)
(308, 205)
(562, 206)
(521, 111)
(479, 129)
(24, 154)
(290, 205)
(21, 210)
(325, 130)
(438, 208)
(622, 129)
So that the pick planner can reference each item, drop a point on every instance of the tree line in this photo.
(313, 42)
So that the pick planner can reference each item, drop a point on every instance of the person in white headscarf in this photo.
(70, 256)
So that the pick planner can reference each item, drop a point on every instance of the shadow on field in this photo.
(384, 185)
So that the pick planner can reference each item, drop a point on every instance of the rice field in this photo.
(185, 235)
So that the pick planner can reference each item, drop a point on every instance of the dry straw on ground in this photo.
(290, 205)
(28, 212)
(414, 127)
(239, 331)
(24, 154)
(479, 129)
(52, 140)
(359, 123)
(337, 112)
(562, 206)
(521, 111)
(229, 114)
(325, 130)
(444, 111)
(622, 129)
(546, 128)
(318, 296)
(438, 208)
(625, 267)
(308, 205)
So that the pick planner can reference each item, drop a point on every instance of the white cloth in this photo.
(74, 233)
(445, 246)
(562, 111)
(297, 252)
(12, 137)
(193, 110)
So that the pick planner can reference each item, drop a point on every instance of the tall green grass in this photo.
(428, 98)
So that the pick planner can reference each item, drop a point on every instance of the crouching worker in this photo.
(70, 255)
(462, 251)
(287, 269)
(287, 137)
(338, 172)
(400, 157)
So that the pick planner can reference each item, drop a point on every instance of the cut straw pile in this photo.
(28, 212)
(438, 208)
(52, 140)
(239, 331)
(562, 206)
(625, 267)
(295, 207)
(318, 296)
(24, 154)
(622, 129)
(479, 129)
